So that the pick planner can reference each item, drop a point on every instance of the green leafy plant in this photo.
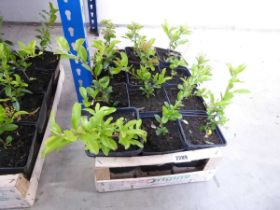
(133, 35)
(108, 31)
(13, 86)
(8, 116)
(24, 53)
(169, 113)
(100, 89)
(174, 63)
(49, 18)
(201, 72)
(177, 35)
(98, 132)
(2, 40)
(142, 47)
(216, 106)
(150, 81)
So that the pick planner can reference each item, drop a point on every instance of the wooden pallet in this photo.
(15, 190)
(106, 181)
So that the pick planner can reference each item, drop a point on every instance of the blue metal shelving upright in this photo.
(72, 19)
(92, 15)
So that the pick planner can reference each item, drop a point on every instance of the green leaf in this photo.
(62, 43)
(55, 129)
(90, 143)
(76, 115)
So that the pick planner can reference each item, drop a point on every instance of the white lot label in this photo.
(180, 158)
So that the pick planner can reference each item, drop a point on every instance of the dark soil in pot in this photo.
(129, 115)
(191, 126)
(132, 57)
(118, 78)
(192, 103)
(17, 154)
(40, 82)
(47, 60)
(119, 96)
(153, 103)
(32, 104)
(167, 143)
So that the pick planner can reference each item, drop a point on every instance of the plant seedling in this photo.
(174, 63)
(108, 31)
(7, 117)
(201, 72)
(133, 35)
(2, 40)
(177, 35)
(150, 81)
(216, 106)
(98, 132)
(142, 47)
(49, 18)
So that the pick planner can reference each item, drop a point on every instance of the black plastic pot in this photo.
(133, 151)
(150, 116)
(186, 109)
(161, 53)
(42, 118)
(190, 146)
(115, 96)
(31, 152)
(132, 57)
(181, 72)
(48, 60)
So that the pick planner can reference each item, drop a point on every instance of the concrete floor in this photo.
(248, 178)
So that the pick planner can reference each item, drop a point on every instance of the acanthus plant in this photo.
(8, 117)
(216, 106)
(98, 132)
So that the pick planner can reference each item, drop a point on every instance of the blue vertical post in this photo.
(92, 15)
(72, 19)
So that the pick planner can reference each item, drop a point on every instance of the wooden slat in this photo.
(153, 181)
(212, 163)
(178, 157)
